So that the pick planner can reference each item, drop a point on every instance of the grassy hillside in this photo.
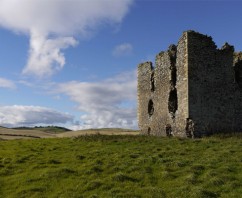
(48, 129)
(121, 166)
(9, 134)
(60, 132)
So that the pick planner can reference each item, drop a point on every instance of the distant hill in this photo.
(47, 129)
(9, 134)
(58, 132)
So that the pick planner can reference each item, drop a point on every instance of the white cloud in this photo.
(109, 103)
(4, 83)
(52, 25)
(123, 50)
(16, 115)
(45, 56)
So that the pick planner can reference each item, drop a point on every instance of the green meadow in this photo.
(121, 166)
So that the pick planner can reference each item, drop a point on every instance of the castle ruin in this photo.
(194, 90)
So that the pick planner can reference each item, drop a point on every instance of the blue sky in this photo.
(73, 63)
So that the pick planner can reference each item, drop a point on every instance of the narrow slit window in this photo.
(152, 82)
(150, 108)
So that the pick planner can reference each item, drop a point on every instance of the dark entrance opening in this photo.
(190, 128)
(149, 131)
(168, 130)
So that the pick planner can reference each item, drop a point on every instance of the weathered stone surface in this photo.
(194, 90)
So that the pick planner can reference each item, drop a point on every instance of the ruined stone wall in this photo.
(144, 95)
(237, 121)
(182, 86)
(162, 92)
(212, 90)
(238, 68)
(202, 82)
(194, 90)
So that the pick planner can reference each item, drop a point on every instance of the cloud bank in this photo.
(109, 103)
(5, 83)
(16, 115)
(52, 25)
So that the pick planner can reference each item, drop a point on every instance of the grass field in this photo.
(121, 166)
(57, 132)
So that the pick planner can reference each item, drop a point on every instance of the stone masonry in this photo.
(195, 89)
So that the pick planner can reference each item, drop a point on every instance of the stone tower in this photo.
(194, 89)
